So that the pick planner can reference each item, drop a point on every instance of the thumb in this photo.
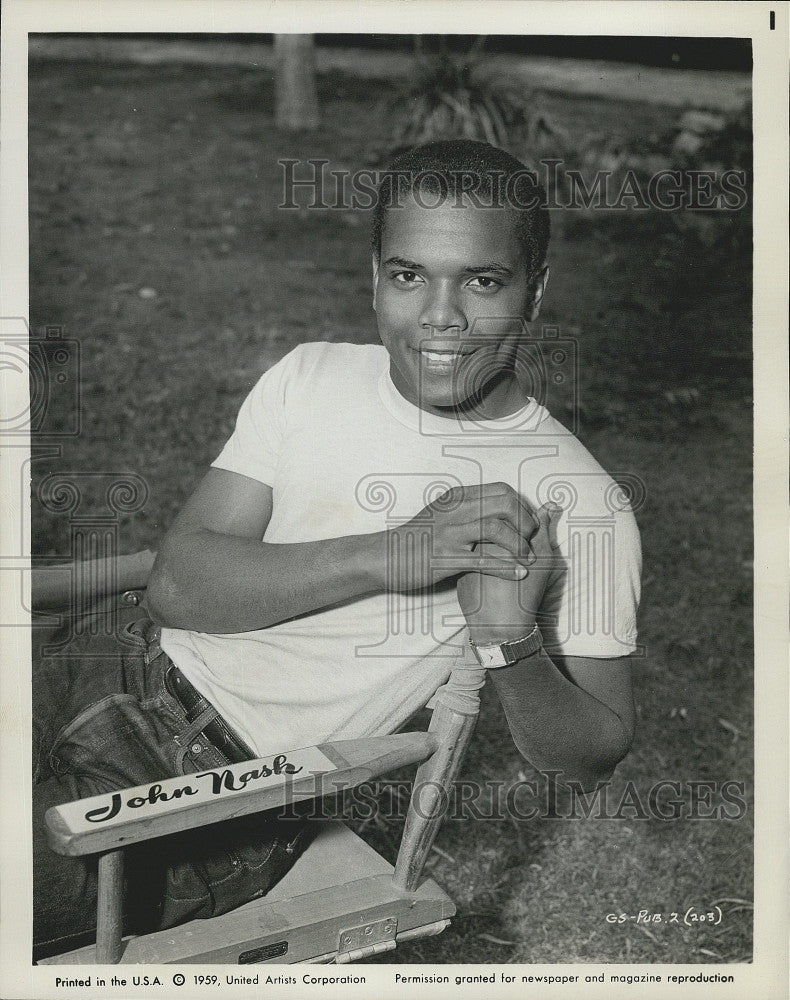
(548, 514)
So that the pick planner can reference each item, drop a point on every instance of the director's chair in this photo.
(341, 901)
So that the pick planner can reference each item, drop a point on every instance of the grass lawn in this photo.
(166, 178)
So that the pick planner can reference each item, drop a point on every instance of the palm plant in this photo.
(453, 96)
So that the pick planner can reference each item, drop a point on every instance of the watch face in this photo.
(497, 655)
(491, 656)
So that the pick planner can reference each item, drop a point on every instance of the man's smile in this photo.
(443, 355)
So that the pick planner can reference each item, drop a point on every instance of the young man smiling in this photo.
(380, 512)
(287, 549)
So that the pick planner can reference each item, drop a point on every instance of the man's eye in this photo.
(406, 277)
(484, 283)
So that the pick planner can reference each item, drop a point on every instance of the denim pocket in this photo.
(218, 868)
(115, 743)
(86, 738)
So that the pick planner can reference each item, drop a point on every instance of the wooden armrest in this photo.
(116, 819)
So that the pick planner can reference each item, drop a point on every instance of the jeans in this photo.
(104, 720)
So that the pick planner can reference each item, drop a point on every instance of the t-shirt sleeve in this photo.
(254, 447)
(590, 607)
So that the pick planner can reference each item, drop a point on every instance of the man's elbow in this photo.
(586, 768)
(601, 764)
(587, 779)
(164, 600)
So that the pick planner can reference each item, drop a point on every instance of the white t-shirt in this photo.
(346, 454)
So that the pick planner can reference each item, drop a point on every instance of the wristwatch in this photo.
(500, 654)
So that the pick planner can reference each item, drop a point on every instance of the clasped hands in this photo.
(494, 542)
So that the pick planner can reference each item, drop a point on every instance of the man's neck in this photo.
(499, 398)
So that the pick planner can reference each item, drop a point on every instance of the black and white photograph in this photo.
(388, 439)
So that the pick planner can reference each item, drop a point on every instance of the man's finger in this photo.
(541, 544)
(502, 532)
(504, 569)
(489, 498)
(504, 566)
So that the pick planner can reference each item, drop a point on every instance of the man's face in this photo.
(451, 294)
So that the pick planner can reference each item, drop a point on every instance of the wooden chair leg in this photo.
(109, 914)
(453, 722)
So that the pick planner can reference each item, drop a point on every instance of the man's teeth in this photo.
(440, 355)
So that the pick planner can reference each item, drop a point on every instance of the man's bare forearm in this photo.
(212, 582)
(556, 725)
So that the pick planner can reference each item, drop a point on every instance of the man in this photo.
(377, 513)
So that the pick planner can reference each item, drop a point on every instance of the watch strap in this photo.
(501, 654)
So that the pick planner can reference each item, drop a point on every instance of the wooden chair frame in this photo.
(341, 901)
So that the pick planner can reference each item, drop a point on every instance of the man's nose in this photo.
(442, 312)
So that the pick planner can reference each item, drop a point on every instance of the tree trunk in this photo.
(297, 104)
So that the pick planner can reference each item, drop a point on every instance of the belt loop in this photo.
(153, 648)
(202, 717)
(196, 726)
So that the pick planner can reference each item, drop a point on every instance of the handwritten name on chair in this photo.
(271, 781)
(220, 781)
(121, 817)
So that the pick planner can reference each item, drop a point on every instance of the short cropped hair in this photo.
(452, 169)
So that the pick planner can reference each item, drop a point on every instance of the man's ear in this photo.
(375, 280)
(538, 288)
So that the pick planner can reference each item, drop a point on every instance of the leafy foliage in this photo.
(731, 145)
(458, 96)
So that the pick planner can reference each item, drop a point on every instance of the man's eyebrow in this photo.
(402, 262)
(491, 268)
